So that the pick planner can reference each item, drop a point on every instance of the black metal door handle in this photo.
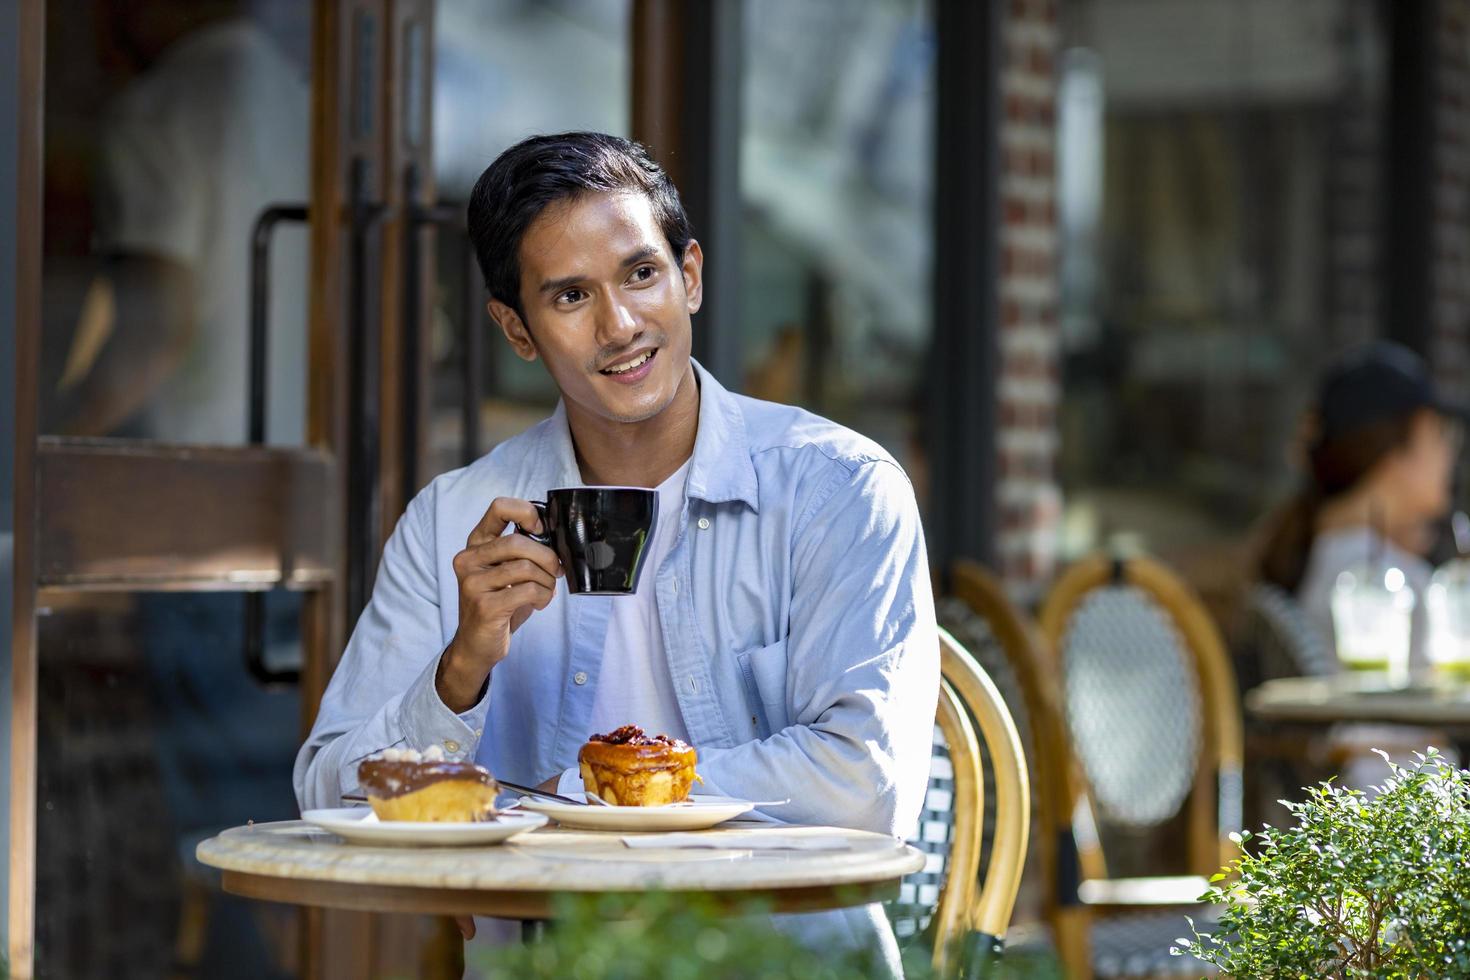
(260, 243)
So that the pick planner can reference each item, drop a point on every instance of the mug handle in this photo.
(545, 536)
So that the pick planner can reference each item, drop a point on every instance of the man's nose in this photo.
(616, 324)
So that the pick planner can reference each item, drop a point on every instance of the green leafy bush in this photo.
(668, 937)
(1361, 886)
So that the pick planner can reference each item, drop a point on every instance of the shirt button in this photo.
(675, 586)
(694, 685)
(704, 523)
(579, 678)
(450, 745)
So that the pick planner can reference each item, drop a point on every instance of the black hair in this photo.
(539, 171)
(1334, 466)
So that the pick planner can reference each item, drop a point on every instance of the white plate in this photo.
(696, 813)
(360, 825)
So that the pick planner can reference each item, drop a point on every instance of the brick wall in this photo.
(1450, 310)
(1029, 381)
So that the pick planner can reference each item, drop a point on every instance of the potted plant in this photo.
(1362, 885)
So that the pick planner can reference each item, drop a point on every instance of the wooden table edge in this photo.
(522, 904)
(1276, 708)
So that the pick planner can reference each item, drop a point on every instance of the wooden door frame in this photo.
(30, 39)
(368, 136)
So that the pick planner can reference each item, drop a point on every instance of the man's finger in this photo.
(532, 594)
(510, 600)
(466, 925)
(501, 512)
(505, 575)
(509, 548)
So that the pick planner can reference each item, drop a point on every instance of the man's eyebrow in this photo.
(557, 285)
(646, 252)
(636, 256)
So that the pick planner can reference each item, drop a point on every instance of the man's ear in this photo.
(693, 269)
(516, 334)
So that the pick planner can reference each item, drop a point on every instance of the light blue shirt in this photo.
(795, 608)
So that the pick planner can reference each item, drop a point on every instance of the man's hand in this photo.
(503, 578)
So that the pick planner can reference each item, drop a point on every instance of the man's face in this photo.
(607, 305)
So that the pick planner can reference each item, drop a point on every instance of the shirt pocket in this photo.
(764, 672)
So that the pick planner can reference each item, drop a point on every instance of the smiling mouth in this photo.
(632, 364)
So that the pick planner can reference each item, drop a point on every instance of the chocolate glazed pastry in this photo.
(407, 786)
(628, 768)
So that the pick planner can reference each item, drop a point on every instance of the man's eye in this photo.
(643, 273)
(572, 296)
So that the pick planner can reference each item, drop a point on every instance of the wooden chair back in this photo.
(986, 902)
(1150, 702)
(948, 900)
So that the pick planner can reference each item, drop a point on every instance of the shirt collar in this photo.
(720, 470)
(560, 458)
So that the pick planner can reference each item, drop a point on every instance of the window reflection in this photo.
(165, 140)
(152, 736)
(505, 70)
(169, 125)
(836, 178)
(1217, 204)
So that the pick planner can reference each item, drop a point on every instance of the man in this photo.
(787, 629)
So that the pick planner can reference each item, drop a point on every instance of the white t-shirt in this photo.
(633, 683)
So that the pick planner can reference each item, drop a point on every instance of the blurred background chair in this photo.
(958, 904)
(1274, 639)
(1277, 640)
(1151, 710)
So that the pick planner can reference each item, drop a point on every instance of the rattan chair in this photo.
(1281, 640)
(948, 902)
(1153, 720)
(1006, 643)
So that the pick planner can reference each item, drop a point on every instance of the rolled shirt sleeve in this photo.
(382, 693)
(862, 666)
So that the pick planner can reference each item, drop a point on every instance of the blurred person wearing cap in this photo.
(1378, 449)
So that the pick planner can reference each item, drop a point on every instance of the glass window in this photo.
(151, 736)
(170, 126)
(1218, 168)
(505, 70)
(836, 183)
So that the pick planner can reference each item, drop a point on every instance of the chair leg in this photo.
(1073, 927)
(193, 929)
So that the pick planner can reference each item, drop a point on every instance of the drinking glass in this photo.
(1372, 610)
(1448, 605)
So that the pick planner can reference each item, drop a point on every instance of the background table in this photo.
(1351, 697)
(297, 863)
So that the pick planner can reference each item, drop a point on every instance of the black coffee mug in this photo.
(601, 535)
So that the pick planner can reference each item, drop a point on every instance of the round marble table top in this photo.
(295, 862)
(1361, 698)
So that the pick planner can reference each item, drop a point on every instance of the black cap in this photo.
(1379, 382)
